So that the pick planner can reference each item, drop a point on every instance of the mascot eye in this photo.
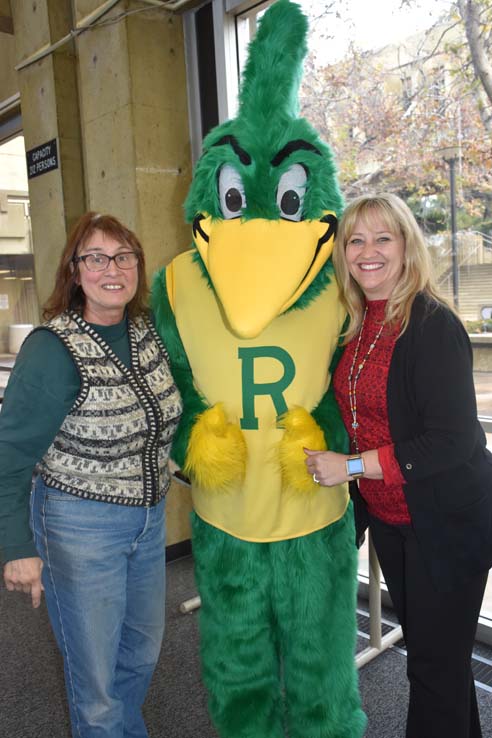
(231, 192)
(290, 192)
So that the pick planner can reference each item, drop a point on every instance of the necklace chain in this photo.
(352, 381)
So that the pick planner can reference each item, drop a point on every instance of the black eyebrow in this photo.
(290, 148)
(243, 155)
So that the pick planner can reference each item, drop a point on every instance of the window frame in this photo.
(234, 21)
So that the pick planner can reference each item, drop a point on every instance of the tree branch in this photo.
(470, 13)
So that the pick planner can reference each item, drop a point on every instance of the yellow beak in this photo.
(259, 268)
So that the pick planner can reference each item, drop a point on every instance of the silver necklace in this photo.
(352, 381)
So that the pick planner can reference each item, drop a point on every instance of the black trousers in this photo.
(439, 630)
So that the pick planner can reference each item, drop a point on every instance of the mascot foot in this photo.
(300, 431)
(216, 455)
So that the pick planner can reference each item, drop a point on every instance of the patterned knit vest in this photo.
(114, 444)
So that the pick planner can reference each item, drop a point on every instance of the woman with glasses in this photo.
(92, 405)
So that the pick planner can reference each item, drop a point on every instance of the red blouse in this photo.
(384, 497)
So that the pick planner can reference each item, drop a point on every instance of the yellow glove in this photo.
(300, 431)
(216, 455)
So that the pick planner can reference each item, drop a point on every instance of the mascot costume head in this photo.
(264, 198)
(251, 317)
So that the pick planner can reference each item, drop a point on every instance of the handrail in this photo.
(377, 642)
(483, 236)
(471, 250)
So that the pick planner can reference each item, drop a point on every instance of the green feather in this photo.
(327, 414)
(273, 71)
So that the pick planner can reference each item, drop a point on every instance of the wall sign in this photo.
(42, 159)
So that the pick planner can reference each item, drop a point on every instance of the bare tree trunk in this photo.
(470, 13)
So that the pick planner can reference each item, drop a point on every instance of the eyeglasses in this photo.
(100, 262)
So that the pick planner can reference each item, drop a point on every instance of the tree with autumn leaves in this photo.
(388, 115)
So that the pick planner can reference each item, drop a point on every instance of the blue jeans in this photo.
(104, 580)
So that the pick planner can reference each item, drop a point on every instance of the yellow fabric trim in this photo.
(170, 285)
(300, 533)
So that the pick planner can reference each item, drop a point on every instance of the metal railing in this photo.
(465, 257)
(377, 642)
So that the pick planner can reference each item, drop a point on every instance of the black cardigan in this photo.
(439, 445)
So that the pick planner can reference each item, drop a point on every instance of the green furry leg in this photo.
(237, 634)
(315, 592)
(289, 603)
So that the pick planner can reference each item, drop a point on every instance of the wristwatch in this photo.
(355, 466)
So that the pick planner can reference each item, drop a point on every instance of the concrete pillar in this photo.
(134, 118)
(49, 104)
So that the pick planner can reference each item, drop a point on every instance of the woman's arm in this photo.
(330, 468)
(43, 387)
(444, 396)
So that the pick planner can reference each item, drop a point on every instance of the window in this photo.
(18, 300)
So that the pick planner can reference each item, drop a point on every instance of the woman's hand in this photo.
(327, 467)
(24, 575)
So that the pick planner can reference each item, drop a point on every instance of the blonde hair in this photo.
(417, 267)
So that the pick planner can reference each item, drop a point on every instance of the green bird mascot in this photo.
(251, 317)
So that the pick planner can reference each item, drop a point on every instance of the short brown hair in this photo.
(67, 294)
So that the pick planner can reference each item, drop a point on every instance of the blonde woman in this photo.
(420, 473)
